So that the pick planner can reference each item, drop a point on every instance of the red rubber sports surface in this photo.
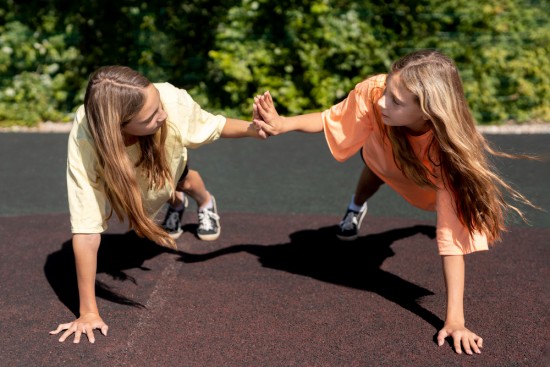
(276, 289)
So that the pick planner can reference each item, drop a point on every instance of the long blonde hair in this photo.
(114, 95)
(458, 149)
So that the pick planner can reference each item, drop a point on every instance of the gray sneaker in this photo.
(348, 229)
(172, 220)
(209, 223)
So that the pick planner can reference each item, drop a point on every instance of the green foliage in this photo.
(35, 72)
(311, 56)
(29, 100)
(502, 50)
(308, 53)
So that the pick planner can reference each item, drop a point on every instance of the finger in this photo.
(268, 97)
(457, 345)
(259, 122)
(475, 344)
(60, 328)
(255, 113)
(262, 134)
(479, 342)
(256, 123)
(268, 100)
(66, 334)
(259, 107)
(104, 329)
(466, 342)
(473, 348)
(77, 335)
(265, 127)
(441, 337)
(263, 103)
(90, 333)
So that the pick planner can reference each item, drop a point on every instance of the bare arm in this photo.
(235, 128)
(274, 124)
(454, 274)
(85, 247)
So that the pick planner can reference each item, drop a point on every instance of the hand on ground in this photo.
(85, 324)
(463, 339)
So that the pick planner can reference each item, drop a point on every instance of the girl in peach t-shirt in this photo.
(416, 134)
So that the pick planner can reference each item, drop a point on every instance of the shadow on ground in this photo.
(313, 253)
(317, 254)
(117, 253)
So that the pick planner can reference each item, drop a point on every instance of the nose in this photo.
(382, 102)
(162, 116)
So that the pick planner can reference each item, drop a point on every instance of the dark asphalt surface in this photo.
(276, 289)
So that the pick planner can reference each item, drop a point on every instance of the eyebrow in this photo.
(386, 90)
(148, 119)
(397, 99)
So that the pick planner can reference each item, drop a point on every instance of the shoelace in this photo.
(349, 221)
(206, 219)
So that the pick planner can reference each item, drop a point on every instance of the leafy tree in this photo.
(308, 53)
(36, 70)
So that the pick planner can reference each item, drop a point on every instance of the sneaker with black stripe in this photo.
(209, 223)
(349, 226)
(172, 220)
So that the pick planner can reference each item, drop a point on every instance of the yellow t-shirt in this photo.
(351, 125)
(189, 126)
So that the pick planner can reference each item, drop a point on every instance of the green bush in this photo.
(308, 53)
(502, 50)
(35, 74)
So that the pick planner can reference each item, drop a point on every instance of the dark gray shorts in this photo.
(184, 174)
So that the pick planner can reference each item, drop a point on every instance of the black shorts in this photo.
(184, 174)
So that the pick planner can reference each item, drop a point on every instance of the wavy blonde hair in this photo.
(458, 149)
(114, 95)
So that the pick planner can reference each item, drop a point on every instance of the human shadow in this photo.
(319, 255)
(117, 253)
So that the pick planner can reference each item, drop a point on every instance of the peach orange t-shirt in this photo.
(351, 125)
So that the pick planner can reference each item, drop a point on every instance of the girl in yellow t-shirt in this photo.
(416, 134)
(126, 151)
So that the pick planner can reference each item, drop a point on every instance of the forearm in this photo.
(85, 247)
(235, 128)
(454, 274)
(309, 123)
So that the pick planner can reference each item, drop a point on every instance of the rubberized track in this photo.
(276, 289)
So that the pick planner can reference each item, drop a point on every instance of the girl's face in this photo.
(399, 107)
(150, 118)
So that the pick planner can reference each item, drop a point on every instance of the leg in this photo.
(177, 205)
(367, 185)
(209, 221)
(194, 186)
